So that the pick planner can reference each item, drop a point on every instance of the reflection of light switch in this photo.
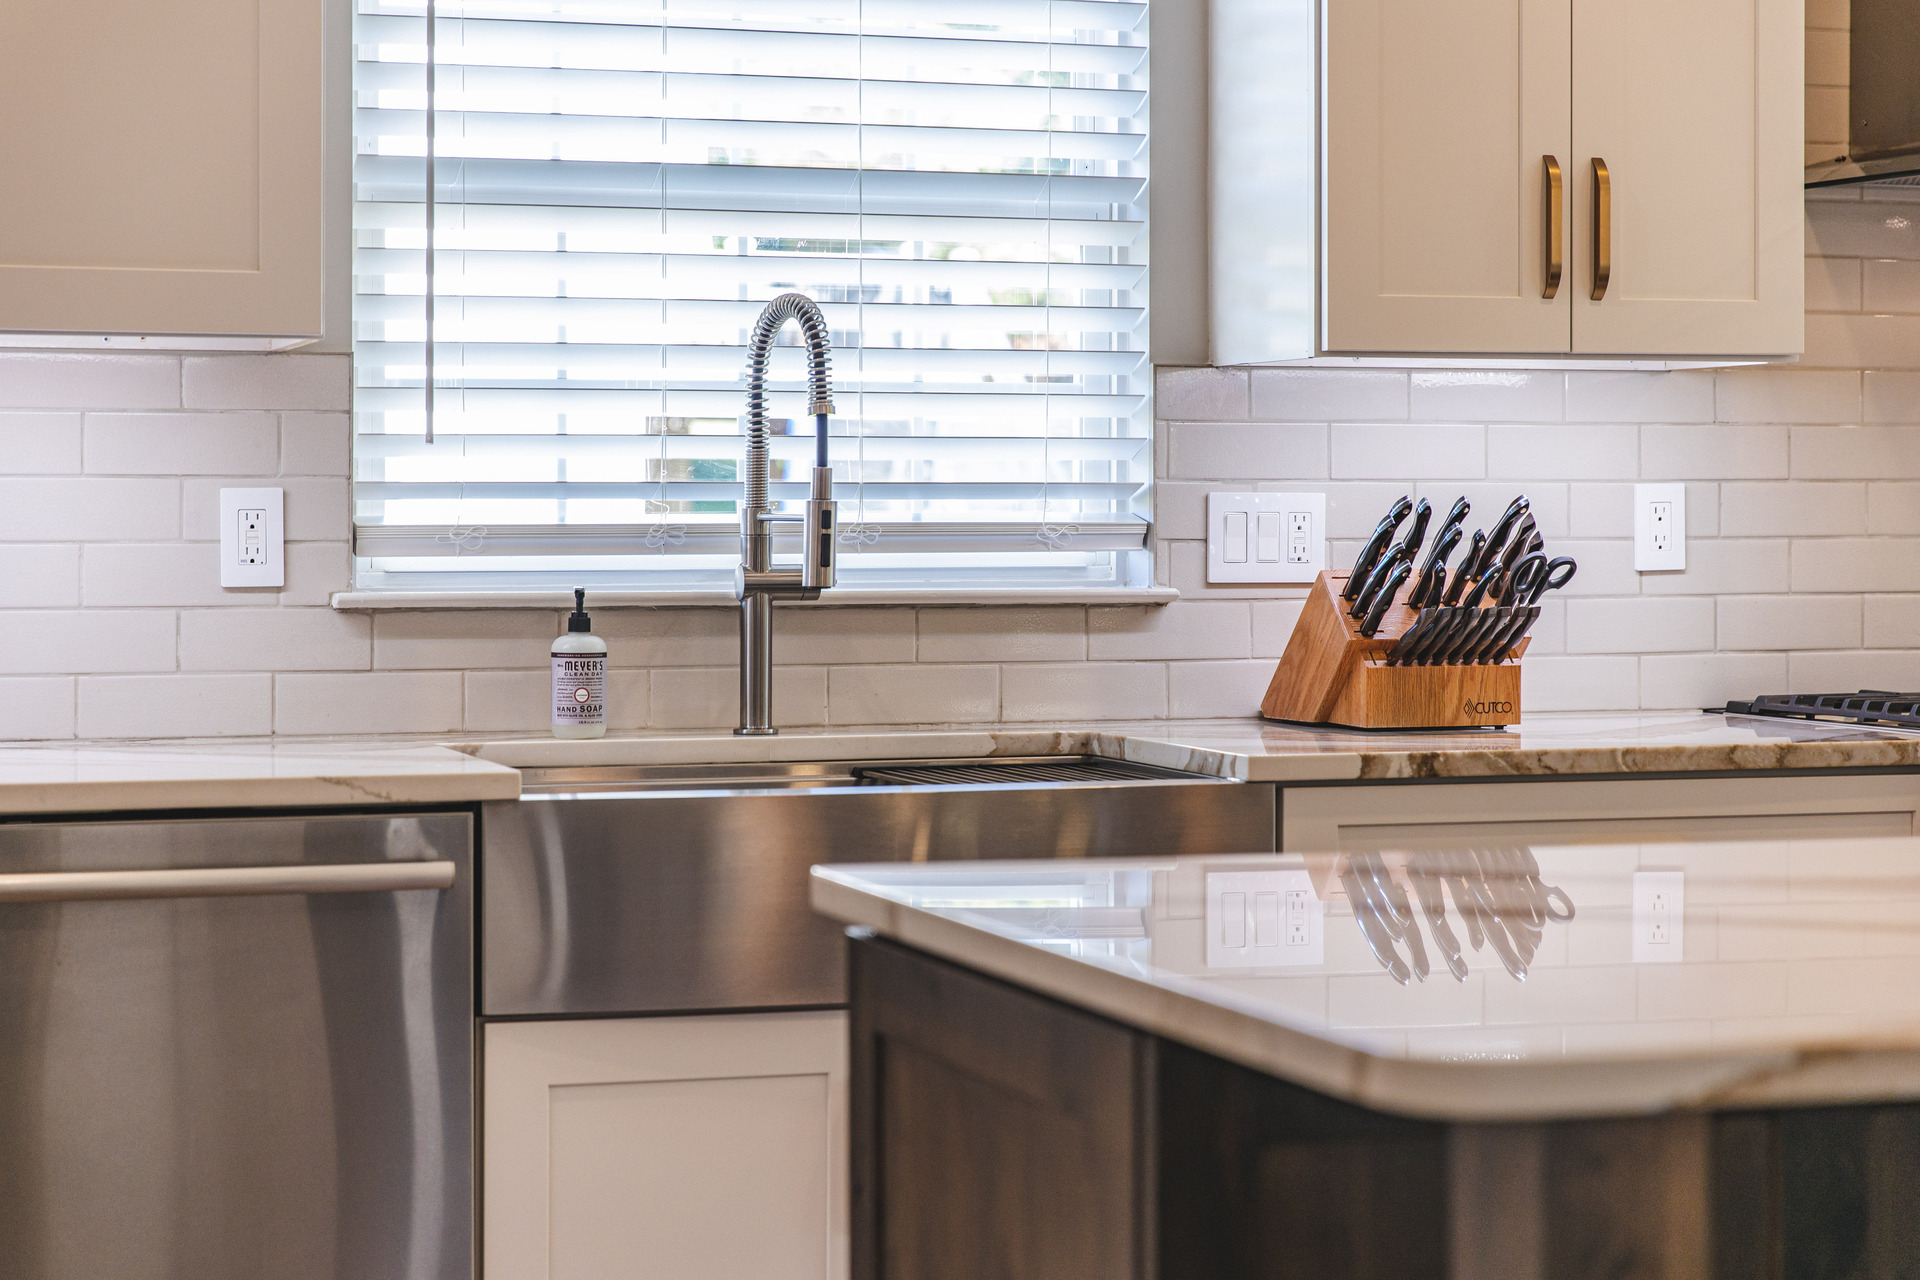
(1268, 548)
(1263, 919)
(1233, 542)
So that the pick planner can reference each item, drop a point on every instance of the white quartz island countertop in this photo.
(1790, 974)
(242, 774)
(1255, 750)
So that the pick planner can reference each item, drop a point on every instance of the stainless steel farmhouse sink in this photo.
(676, 888)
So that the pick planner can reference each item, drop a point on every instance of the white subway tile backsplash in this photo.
(172, 706)
(709, 697)
(160, 575)
(1354, 507)
(1852, 669)
(1745, 452)
(315, 570)
(85, 380)
(367, 702)
(803, 636)
(1858, 341)
(1204, 690)
(39, 575)
(1856, 564)
(39, 443)
(668, 637)
(1550, 683)
(1488, 395)
(461, 638)
(1890, 396)
(520, 701)
(1716, 566)
(1082, 691)
(1048, 634)
(315, 444)
(1892, 622)
(1547, 503)
(1777, 509)
(173, 444)
(1246, 451)
(1862, 229)
(1180, 508)
(46, 641)
(1273, 622)
(920, 694)
(1787, 395)
(1645, 625)
(1789, 622)
(1677, 680)
(1211, 395)
(266, 382)
(1833, 284)
(1855, 453)
(275, 640)
(68, 508)
(1203, 629)
(1329, 395)
(36, 707)
(1590, 452)
(1409, 451)
(1606, 510)
(1607, 396)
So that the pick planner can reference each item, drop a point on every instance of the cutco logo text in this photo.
(1473, 708)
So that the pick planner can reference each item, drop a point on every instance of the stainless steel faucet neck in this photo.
(757, 582)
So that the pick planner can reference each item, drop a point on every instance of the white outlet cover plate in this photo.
(1659, 916)
(1646, 558)
(1269, 538)
(244, 562)
(1264, 920)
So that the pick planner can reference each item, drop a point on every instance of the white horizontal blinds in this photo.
(623, 184)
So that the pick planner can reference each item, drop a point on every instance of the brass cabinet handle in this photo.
(1553, 189)
(1602, 228)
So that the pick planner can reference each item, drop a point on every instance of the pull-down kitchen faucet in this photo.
(756, 582)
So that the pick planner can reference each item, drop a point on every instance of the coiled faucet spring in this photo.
(813, 331)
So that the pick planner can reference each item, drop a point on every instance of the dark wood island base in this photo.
(1003, 1135)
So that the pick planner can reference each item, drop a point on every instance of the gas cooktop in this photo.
(1868, 706)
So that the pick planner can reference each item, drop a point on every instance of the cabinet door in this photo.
(1696, 110)
(1438, 114)
(162, 168)
(689, 1148)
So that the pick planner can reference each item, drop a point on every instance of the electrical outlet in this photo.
(1659, 527)
(1266, 537)
(1659, 916)
(253, 538)
(1263, 920)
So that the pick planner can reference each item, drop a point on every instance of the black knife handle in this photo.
(1417, 531)
(1465, 571)
(1393, 559)
(1498, 538)
(1384, 597)
(1369, 554)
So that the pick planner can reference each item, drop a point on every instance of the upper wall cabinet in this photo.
(1506, 178)
(160, 171)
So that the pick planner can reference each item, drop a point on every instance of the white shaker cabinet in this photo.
(710, 1147)
(1384, 179)
(160, 170)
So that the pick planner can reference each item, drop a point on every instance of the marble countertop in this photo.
(1790, 973)
(254, 772)
(242, 774)
(1255, 750)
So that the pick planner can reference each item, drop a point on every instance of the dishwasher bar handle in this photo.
(225, 882)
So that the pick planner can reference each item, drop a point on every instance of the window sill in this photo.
(842, 597)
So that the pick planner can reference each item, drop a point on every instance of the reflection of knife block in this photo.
(1331, 674)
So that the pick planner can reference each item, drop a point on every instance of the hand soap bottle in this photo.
(579, 676)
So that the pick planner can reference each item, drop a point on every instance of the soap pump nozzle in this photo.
(578, 619)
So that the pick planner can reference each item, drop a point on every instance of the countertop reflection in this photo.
(1500, 981)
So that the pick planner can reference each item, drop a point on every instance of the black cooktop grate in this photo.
(1062, 769)
(1868, 706)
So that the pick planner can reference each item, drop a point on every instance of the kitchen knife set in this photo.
(1475, 613)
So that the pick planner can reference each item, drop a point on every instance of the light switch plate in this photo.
(253, 537)
(1659, 527)
(1276, 538)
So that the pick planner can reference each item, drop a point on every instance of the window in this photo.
(620, 185)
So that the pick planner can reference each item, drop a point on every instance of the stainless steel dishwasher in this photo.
(236, 1049)
(679, 889)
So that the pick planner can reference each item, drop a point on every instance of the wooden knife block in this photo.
(1331, 674)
